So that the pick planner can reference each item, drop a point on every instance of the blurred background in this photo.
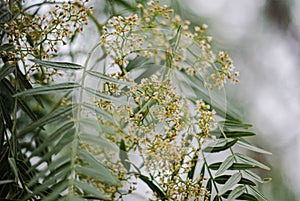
(263, 39)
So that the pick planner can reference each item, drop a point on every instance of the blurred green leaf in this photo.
(14, 168)
(6, 47)
(109, 79)
(101, 174)
(5, 114)
(95, 169)
(234, 124)
(96, 140)
(90, 190)
(149, 69)
(6, 181)
(47, 89)
(57, 65)
(109, 98)
(6, 70)
(56, 191)
(100, 112)
(53, 116)
(193, 166)
(53, 137)
(136, 63)
(124, 155)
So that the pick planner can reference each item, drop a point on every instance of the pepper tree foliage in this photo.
(151, 108)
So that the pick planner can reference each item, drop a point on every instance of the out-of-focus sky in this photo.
(263, 38)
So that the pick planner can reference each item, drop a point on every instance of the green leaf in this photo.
(109, 98)
(209, 188)
(102, 174)
(27, 109)
(234, 166)
(251, 161)
(217, 198)
(254, 176)
(248, 197)
(53, 116)
(6, 47)
(54, 166)
(57, 65)
(53, 137)
(197, 84)
(5, 114)
(193, 166)
(109, 79)
(95, 169)
(124, 155)
(136, 63)
(75, 198)
(218, 143)
(222, 180)
(47, 89)
(9, 89)
(174, 42)
(235, 193)
(156, 189)
(22, 79)
(61, 147)
(14, 168)
(97, 141)
(202, 173)
(243, 196)
(234, 124)
(6, 70)
(59, 187)
(100, 112)
(222, 148)
(6, 181)
(232, 181)
(225, 165)
(90, 189)
(98, 127)
(247, 145)
(241, 166)
(126, 4)
(259, 194)
(150, 69)
(232, 134)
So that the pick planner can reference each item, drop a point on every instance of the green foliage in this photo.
(163, 103)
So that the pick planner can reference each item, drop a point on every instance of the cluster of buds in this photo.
(159, 128)
(40, 35)
(164, 37)
(155, 130)
(206, 117)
